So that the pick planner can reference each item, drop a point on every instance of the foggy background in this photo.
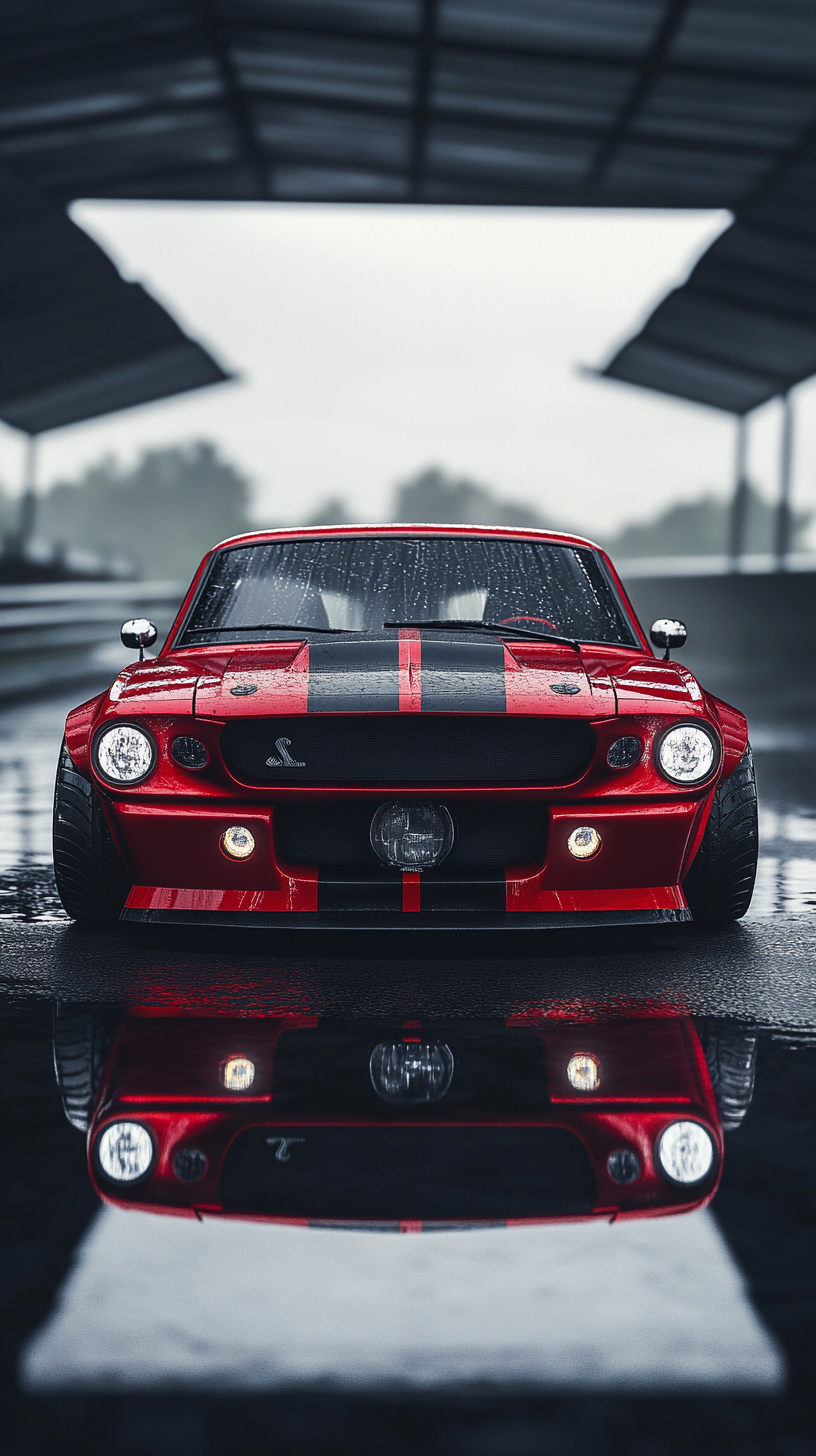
(403, 363)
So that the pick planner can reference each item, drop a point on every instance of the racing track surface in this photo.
(119, 1365)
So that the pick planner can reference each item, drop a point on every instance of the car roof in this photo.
(407, 528)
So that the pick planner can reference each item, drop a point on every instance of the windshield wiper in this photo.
(459, 624)
(265, 627)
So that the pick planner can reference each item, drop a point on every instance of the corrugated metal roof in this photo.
(742, 329)
(631, 103)
(76, 340)
(641, 103)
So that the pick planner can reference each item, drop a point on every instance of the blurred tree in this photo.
(700, 528)
(162, 515)
(434, 496)
(333, 512)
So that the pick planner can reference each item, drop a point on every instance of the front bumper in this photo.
(182, 877)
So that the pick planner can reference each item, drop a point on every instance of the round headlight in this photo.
(189, 752)
(190, 1165)
(623, 1166)
(624, 752)
(124, 754)
(411, 836)
(125, 1151)
(685, 1151)
(687, 754)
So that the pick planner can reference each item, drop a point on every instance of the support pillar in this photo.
(739, 503)
(28, 504)
(784, 515)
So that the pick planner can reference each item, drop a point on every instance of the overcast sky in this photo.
(372, 342)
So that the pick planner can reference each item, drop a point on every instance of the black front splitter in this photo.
(405, 920)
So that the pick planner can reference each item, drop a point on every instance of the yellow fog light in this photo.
(238, 1074)
(584, 842)
(237, 842)
(584, 1072)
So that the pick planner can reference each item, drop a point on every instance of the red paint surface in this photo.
(167, 829)
(410, 670)
(411, 891)
(164, 1070)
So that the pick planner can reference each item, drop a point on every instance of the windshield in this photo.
(359, 583)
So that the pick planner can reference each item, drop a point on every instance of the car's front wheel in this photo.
(84, 1032)
(731, 1053)
(92, 882)
(720, 882)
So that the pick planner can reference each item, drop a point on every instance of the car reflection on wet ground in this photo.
(535, 1102)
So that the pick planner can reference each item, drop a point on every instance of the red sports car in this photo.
(400, 1124)
(406, 726)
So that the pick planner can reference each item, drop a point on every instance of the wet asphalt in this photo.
(757, 977)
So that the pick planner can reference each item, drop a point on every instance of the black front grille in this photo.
(337, 833)
(407, 749)
(408, 1172)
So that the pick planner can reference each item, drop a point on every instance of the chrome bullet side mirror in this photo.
(138, 632)
(668, 633)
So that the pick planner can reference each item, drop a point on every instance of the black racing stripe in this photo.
(338, 888)
(354, 677)
(461, 889)
(462, 677)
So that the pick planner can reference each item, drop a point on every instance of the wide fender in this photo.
(78, 728)
(734, 729)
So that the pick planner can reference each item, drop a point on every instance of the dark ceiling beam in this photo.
(69, 62)
(469, 191)
(465, 190)
(238, 105)
(648, 71)
(421, 109)
(804, 148)
(485, 121)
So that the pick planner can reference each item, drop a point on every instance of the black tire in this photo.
(720, 882)
(731, 1053)
(83, 1036)
(92, 882)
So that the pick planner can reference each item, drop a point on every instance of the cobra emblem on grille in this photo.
(282, 1145)
(286, 760)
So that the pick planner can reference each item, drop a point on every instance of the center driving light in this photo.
(411, 836)
(237, 842)
(584, 842)
(411, 1072)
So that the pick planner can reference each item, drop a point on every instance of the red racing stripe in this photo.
(410, 890)
(410, 670)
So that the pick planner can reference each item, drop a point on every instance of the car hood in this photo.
(416, 673)
(430, 672)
